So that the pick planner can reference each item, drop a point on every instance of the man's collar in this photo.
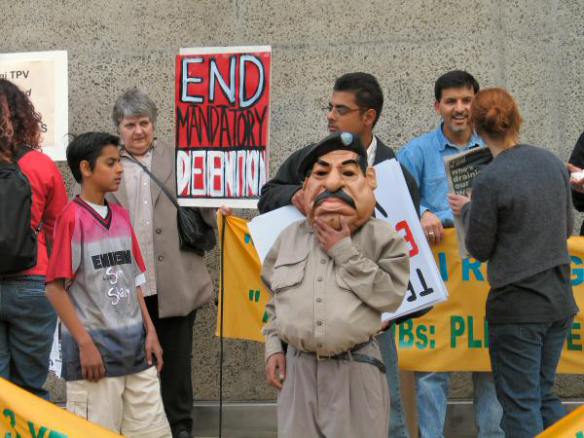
(443, 141)
(371, 151)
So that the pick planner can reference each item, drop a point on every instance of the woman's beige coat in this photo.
(182, 280)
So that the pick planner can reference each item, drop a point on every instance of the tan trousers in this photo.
(131, 405)
(333, 398)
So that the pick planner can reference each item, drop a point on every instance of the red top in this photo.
(49, 197)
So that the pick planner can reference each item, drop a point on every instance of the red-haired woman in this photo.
(518, 221)
(27, 319)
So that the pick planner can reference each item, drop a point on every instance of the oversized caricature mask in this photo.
(338, 182)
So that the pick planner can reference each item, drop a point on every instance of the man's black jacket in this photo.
(279, 190)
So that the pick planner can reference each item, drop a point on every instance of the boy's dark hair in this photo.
(88, 146)
(367, 91)
(454, 79)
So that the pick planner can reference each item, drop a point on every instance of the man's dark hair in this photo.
(88, 146)
(454, 79)
(367, 91)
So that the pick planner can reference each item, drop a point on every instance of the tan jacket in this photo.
(328, 303)
(182, 279)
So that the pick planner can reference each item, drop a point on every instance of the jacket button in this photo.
(319, 323)
(158, 230)
(160, 258)
(319, 300)
(319, 279)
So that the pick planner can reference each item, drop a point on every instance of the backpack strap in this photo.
(21, 152)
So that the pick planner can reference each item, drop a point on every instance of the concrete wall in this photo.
(532, 47)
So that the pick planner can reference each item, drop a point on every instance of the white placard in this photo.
(265, 228)
(43, 77)
(426, 287)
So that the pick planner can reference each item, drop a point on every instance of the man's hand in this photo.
(456, 202)
(432, 227)
(576, 178)
(276, 370)
(153, 348)
(327, 236)
(298, 201)
(92, 367)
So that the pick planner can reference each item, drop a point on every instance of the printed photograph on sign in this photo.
(222, 125)
(43, 77)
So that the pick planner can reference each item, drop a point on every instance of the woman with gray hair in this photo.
(178, 282)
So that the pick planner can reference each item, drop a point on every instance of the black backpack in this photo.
(18, 240)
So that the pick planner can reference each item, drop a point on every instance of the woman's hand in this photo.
(457, 202)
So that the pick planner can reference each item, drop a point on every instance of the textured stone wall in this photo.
(532, 47)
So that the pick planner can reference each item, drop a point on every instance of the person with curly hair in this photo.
(27, 319)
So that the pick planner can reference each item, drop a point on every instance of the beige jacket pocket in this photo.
(288, 271)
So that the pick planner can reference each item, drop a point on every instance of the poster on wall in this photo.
(222, 115)
(43, 77)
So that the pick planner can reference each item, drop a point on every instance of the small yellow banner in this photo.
(571, 426)
(27, 416)
(245, 295)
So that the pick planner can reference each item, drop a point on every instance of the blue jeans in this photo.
(432, 399)
(27, 326)
(397, 422)
(524, 359)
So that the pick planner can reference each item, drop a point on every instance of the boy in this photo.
(93, 282)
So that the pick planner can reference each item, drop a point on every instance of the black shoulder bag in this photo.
(194, 233)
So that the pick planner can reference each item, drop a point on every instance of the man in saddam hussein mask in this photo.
(331, 277)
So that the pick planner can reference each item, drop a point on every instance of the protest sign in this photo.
(222, 125)
(43, 77)
(23, 415)
(454, 335)
(425, 287)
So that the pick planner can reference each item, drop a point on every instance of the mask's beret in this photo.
(334, 142)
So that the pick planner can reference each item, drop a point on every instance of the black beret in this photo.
(334, 142)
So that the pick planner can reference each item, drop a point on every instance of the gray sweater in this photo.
(520, 215)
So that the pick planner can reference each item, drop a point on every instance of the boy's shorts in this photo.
(130, 405)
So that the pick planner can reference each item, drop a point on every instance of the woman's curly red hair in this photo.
(20, 124)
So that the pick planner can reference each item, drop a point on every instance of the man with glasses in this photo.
(355, 107)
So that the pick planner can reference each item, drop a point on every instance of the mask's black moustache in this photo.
(338, 194)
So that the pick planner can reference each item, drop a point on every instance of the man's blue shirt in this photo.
(423, 157)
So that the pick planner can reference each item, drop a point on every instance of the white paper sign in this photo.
(426, 287)
(43, 77)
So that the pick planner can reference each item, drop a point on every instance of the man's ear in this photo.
(85, 168)
(369, 117)
(371, 178)
(437, 106)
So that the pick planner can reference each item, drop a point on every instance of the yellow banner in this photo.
(23, 415)
(451, 337)
(245, 295)
(571, 426)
